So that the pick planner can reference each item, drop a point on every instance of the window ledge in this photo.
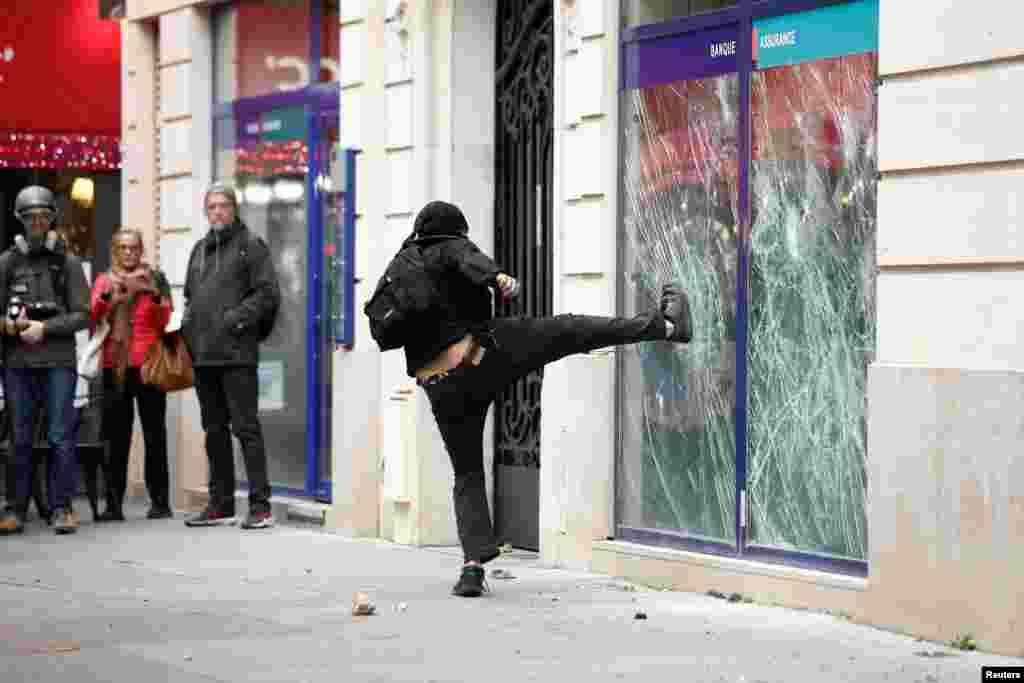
(733, 565)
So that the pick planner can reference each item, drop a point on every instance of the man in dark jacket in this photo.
(463, 359)
(47, 301)
(231, 298)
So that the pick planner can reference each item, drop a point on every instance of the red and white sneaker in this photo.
(258, 520)
(210, 517)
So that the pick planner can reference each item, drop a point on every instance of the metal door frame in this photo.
(525, 247)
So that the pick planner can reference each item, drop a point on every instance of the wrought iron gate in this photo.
(523, 233)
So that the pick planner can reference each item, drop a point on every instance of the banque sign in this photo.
(677, 58)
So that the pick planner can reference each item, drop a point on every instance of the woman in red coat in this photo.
(136, 300)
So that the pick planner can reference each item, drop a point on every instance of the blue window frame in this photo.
(740, 22)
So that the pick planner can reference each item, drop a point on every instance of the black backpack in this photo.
(406, 294)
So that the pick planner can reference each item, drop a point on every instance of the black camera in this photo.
(42, 310)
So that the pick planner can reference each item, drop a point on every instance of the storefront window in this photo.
(764, 412)
(275, 124)
(811, 319)
(678, 469)
(640, 12)
(265, 46)
(265, 156)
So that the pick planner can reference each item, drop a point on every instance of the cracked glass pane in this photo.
(678, 457)
(811, 324)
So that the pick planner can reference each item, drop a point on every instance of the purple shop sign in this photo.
(680, 58)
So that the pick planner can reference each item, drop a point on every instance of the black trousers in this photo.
(229, 402)
(515, 347)
(118, 421)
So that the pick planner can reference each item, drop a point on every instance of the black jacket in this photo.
(45, 276)
(465, 275)
(230, 285)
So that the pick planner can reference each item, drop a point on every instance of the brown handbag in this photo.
(168, 364)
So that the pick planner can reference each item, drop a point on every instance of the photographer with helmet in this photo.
(46, 300)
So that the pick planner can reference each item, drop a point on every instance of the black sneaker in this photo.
(675, 306)
(159, 512)
(210, 517)
(111, 515)
(471, 584)
(258, 520)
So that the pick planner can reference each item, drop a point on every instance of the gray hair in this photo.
(224, 189)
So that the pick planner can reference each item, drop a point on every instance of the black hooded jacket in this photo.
(230, 285)
(464, 274)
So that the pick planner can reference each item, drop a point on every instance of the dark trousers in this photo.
(460, 399)
(229, 402)
(29, 389)
(118, 422)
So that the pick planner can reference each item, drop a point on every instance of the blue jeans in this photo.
(28, 389)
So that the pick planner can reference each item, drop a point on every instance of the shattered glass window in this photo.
(808, 316)
(678, 466)
(811, 321)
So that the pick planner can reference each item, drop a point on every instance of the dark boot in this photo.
(675, 306)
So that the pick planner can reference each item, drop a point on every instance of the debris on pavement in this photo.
(361, 605)
(64, 647)
(504, 548)
(731, 597)
(503, 574)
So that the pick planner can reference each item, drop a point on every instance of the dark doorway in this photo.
(523, 235)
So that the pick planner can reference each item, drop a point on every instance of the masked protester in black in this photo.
(465, 358)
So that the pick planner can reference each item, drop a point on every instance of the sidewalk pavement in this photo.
(153, 601)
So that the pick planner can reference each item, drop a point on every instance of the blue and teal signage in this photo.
(834, 31)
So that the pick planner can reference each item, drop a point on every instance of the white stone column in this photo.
(357, 428)
(578, 419)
